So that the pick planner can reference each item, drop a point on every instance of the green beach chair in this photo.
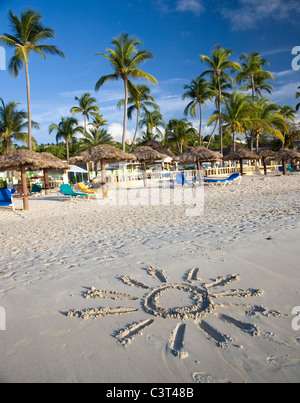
(67, 191)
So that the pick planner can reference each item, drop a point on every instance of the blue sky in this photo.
(176, 32)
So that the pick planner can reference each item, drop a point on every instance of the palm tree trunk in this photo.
(234, 140)
(125, 115)
(68, 152)
(200, 127)
(220, 110)
(29, 106)
(211, 136)
(136, 130)
(85, 125)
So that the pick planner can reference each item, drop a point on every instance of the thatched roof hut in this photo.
(287, 155)
(26, 160)
(157, 147)
(266, 156)
(15, 160)
(198, 155)
(105, 154)
(240, 154)
(147, 154)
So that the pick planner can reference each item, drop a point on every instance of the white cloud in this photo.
(194, 6)
(116, 130)
(250, 13)
(168, 6)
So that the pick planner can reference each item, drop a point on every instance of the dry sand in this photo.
(99, 293)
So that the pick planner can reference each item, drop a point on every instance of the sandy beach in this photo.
(99, 293)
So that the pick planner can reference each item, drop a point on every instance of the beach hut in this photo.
(146, 155)
(157, 147)
(266, 156)
(47, 162)
(198, 155)
(24, 160)
(240, 154)
(105, 154)
(285, 155)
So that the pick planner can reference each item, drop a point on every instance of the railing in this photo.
(171, 175)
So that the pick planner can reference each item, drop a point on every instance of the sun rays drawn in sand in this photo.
(203, 297)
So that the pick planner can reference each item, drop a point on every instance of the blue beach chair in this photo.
(181, 180)
(233, 179)
(6, 199)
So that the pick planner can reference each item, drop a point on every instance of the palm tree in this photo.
(12, 124)
(199, 92)
(265, 118)
(218, 64)
(236, 115)
(289, 116)
(94, 138)
(27, 34)
(225, 86)
(252, 71)
(86, 107)
(178, 132)
(259, 86)
(125, 59)
(139, 101)
(153, 120)
(66, 130)
(98, 121)
(298, 96)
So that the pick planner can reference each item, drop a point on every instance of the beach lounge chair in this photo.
(290, 169)
(181, 180)
(67, 191)
(233, 179)
(6, 199)
(83, 188)
(36, 190)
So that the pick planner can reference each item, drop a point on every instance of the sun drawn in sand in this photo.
(203, 299)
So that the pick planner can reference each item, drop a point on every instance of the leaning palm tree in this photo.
(27, 34)
(252, 71)
(13, 123)
(199, 92)
(125, 60)
(153, 121)
(218, 64)
(236, 115)
(98, 121)
(86, 106)
(140, 100)
(266, 118)
(298, 96)
(94, 138)
(66, 130)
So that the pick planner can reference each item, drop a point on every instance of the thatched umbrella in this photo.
(198, 155)
(267, 155)
(50, 162)
(287, 155)
(145, 155)
(157, 147)
(22, 160)
(105, 154)
(240, 154)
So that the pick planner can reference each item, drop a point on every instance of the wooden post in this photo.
(284, 171)
(46, 181)
(24, 189)
(241, 166)
(104, 187)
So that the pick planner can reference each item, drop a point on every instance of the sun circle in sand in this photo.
(202, 305)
